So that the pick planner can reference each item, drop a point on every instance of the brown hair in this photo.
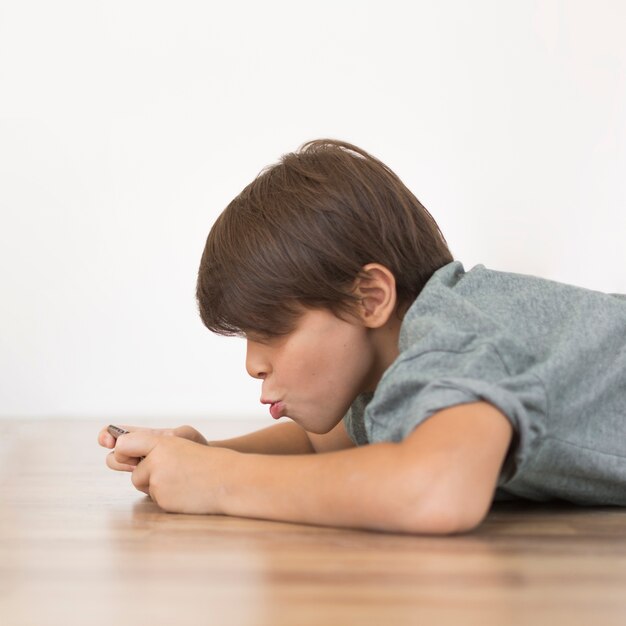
(298, 235)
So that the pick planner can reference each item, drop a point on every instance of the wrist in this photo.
(229, 466)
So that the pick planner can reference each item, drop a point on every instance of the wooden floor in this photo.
(79, 545)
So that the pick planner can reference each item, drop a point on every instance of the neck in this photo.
(386, 351)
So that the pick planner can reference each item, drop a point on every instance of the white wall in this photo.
(126, 128)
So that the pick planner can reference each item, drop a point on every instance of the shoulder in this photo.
(426, 382)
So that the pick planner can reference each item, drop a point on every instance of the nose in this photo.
(257, 363)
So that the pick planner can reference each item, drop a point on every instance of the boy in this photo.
(417, 392)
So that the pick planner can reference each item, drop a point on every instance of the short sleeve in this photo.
(354, 419)
(419, 384)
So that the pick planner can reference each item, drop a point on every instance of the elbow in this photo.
(442, 515)
(457, 524)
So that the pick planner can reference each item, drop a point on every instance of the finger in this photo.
(116, 465)
(124, 459)
(135, 444)
(141, 477)
(105, 438)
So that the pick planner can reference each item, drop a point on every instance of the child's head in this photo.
(299, 234)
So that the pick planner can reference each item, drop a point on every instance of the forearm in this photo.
(287, 438)
(368, 487)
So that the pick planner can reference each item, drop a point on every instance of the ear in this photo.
(377, 293)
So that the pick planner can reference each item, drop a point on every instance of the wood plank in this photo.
(79, 545)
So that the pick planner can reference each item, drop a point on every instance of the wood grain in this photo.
(79, 545)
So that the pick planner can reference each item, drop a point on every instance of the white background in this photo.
(127, 127)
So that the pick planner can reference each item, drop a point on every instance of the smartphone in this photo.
(116, 431)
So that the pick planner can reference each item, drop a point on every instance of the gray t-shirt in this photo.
(550, 356)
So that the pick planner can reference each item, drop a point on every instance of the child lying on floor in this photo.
(417, 392)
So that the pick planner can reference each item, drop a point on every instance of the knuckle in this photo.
(134, 478)
(160, 496)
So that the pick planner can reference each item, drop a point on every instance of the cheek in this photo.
(340, 360)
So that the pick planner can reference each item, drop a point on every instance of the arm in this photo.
(355, 488)
(288, 438)
(439, 480)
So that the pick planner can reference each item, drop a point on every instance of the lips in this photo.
(277, 408)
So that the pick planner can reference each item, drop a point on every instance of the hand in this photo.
(107, 440)
(181, 476)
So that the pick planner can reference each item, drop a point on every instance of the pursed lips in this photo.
(277, 407)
